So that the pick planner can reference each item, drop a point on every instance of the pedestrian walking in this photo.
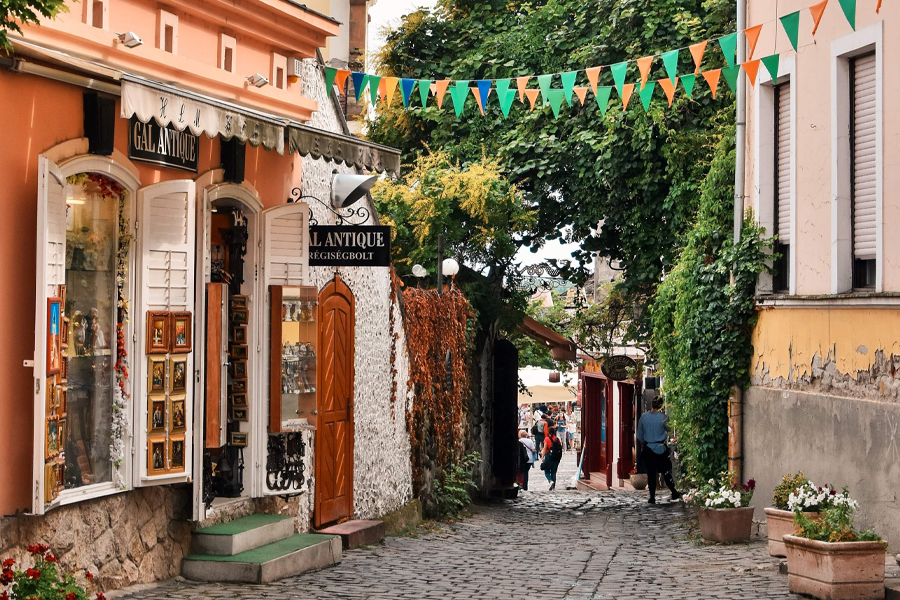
(561, 429)
(539, 429)
(571, 427)
(527, 456)
(652, 433)
(551, 455)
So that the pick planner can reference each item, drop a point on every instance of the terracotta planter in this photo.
(780, 523)
(726, 524)
(842, 571)
(639, 481)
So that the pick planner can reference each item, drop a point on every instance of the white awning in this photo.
(167, 105)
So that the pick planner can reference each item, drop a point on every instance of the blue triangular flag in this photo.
(407, 86)
(359, 83)
(484, 88)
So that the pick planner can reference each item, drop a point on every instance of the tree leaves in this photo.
(14, 13)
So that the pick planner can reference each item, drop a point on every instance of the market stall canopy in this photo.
(560, 347)
(537, 381)
(351, 151)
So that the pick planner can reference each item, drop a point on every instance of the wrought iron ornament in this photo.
(284, 465)
(354, 215)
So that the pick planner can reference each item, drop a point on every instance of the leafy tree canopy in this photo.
(15, 13)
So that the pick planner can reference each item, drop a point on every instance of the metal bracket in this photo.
(350, 217)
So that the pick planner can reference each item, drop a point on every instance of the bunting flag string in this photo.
(384, 87)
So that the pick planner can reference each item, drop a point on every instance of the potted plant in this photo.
(829, 559)
(42, 580)
(638, 480)
(780, 517)
(724, 509)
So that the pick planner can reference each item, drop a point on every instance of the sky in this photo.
(389, 13)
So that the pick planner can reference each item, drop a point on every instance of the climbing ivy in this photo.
(702, 321)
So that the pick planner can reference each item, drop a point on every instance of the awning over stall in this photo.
(349, 150)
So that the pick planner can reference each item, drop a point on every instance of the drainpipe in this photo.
(735, 401)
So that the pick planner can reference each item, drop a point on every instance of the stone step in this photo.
(300, 553)
(590, 486)
(240, 535)
(355, 534)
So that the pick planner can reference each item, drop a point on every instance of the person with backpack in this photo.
(552, 455)
(539, 429)
(527, 456)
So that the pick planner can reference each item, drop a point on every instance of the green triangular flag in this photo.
(647, 94)
(618, 71)
(731, 75)
(329, 78)
(361, 87)
(670, 61)
(556, 98)
(459, 93)
(506, 97)
(688, 82)
(568, 83)
(849, 7)
(502, 85)
(771, 64)
(424, 88)
(544, 82)
(374, 82)
(729, 47)
(791, 24)
(603, 93)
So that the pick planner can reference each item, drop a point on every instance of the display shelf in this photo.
(293, 346)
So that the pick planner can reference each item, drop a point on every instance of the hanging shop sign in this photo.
(618, 367)
(148, 142)
(349, 246)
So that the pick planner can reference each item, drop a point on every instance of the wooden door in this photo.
(626, 430)
(334, 428)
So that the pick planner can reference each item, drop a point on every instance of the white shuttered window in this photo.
(783, 162)
(863, 148)
(286, 260)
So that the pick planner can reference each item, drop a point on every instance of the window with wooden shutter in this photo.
(782, 182)
(863, 169)
(286, 244)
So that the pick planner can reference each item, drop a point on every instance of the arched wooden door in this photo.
(334, 427)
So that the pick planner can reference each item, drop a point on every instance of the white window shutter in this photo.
(286, 233)
(864, 157)
(783, 162)
(166, 253)
(51, 273)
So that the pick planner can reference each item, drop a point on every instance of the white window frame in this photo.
(166, 18)
(764, 172)
(843, 49)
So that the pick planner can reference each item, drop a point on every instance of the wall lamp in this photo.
(130, 39)
(258, 80)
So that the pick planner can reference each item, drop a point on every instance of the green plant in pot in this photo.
(724, 508)
(780, 517)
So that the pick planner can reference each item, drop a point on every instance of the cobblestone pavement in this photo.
(548, 545)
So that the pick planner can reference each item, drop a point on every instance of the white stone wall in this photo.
(382, 473)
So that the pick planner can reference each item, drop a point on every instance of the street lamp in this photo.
(450, 268)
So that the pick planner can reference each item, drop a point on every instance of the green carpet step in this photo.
(240, 535)
(300, 553)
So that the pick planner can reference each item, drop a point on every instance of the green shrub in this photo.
(789, 484)
(452, 491)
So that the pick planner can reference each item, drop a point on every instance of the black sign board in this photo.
(619, 367)
(148, 142)
(349, 246)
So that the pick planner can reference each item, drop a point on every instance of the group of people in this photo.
(553, 433)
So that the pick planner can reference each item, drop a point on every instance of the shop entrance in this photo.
(597, 428)
(334, 431)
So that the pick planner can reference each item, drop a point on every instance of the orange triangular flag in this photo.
(752, 35)
(752, 68)
(644, 66)
(440, 88)
(382, 88)
(477, 93)
(627, 90)
(697, 51)
(817, 10)
(522, 84)
(668, 87)
(532, 96)
(878, 8)
(390, 88)
(593, 74)
(581, 92)
(340, 78)
(712, 78)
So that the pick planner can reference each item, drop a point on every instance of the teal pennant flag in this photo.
(619, 71)
(459, 93)
(791, 24)
(849, 8)
(729, 47)
(424, 89)
(374, 82)
(603, 93)
(647, 94)
(688, 82)
(568, 83)
(556, 98)
(731, 75)
(544, 82)
(507, 96)
(670, 61)
(329, 78)
(771, 64)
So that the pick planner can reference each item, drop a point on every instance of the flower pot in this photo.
(639, 481)
(726, 524)
(780, 523)
(835, 571)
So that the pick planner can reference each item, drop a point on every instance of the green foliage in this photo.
(15, 13)
(452, 491)
(835, 524)
(702, 321)
(43, 580)
(532, 352)
(789, 484)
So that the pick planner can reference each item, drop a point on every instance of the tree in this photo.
(14, 13)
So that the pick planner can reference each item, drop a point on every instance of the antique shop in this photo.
(189, 362)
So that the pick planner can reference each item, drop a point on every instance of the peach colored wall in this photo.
(813, 126)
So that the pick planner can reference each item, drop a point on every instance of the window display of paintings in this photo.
(181, 332)
(156, 375)
(176, 453)
(157, 414)
(176, 414)
(56, 396)
(178, 374)
(158, 332)
(54, 335)
(156, 456)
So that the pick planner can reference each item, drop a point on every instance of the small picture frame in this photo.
(176, 453)
(156, 375)
(238, 438)
(239, 413)
(178, 374)
(239, 334)
(60, 476)
(64, 370)
(238, 387)
(54, 335)
(240, 317)
(156, 456)
(51, 440)
(158, 332)
(181, 336)
(64, 336)
(240, 352)
(239, 369)
(239, 400)
(240, 302)
(177, 414)
(51, 396)
(63, 403)
(62, 297)
(156, 417)
(61, 435)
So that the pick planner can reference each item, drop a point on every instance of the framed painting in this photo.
(64, 335)
(240, 302)
(156, 418)
(158, 332)
(64, 370)
(177, 415)
(239, 413)
(238, 387)
(156, 375)
(54, 335)
(239, 334)
(52, 438)
(181, 332)
(240, 352)
(239, 399)
(176, 453)
(238, 438)
(240, 317)
(178, 374)
(156, 456)
(239, 369)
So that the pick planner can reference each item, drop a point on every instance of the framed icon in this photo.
(177, 415)
(158, 332)
(239, 369)
(61, 435)
(176, 453)
(238, 438)
(64, 334)
(239, 334)
(240, 352)
(240, 317)
(62, 298)
(51, 396)
(240, 302)
(156, 456)
(238, 387)
(181, 332)
(239, 399)
(239, 413)
(156, 375)
(54, 335)
(156, 419)
(178, 374)
(51, 440)
(63, 401)
(64, 370)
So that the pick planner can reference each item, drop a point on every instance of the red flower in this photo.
(8, 563)
(89, 575)
(70, 596)
(100, 596)
(38, 548)
(4, 596)
(4, 580)
(32, 574)
(50, 558)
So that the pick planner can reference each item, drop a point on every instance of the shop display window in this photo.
(294, 346)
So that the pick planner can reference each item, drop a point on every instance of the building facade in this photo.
(822, 145)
